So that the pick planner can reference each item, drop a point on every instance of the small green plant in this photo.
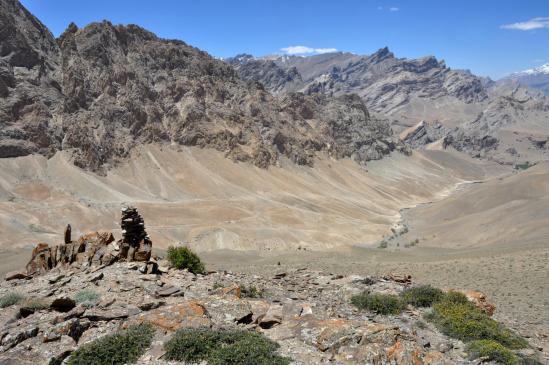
(251, 292)
(379, 303)
(493, 351)
(88, 298)
(218, 285)
(422, 296)
(420, 324)
(184, 258)
(124, 347)
(524, 166)
(467, 323)
(219, 347)
(10, 299)
(383, 244)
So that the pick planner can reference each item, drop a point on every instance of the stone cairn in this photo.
(135, 244)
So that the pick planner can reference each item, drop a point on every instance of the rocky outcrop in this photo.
(94, 249)
(99, 91)
(90, 249)
(424, 134)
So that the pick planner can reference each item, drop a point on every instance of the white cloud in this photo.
(298, 50)
(535, 23)
(393, 8)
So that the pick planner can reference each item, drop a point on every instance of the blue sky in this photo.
(491, 38)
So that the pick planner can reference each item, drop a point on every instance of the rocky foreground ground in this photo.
(307, 312)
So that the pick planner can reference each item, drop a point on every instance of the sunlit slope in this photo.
(509, 211)
(199, 196)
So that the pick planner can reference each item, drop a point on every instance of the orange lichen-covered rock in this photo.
(187, 314)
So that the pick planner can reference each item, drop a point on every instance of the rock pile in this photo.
(135, 244)
(94, 249)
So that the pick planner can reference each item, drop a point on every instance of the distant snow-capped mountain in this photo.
(537, 78)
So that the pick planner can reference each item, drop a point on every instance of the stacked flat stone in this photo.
(135, 244)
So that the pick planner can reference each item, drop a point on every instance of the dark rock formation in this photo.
(425, 133)
(68, 234)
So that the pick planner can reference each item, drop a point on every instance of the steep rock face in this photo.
(29, 83)
(101, 90)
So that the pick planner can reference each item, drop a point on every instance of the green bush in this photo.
(88, 298)
(456, 298)
(493, 351)
(379, 303)
(194, 345)
(124, 347)
(184, 258)
(422, 296)
(467, 323)
(251, 292)
(10, 299)
(382, 244)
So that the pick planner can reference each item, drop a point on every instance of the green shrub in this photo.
(194, 345)
(124, 347)
(379, 303)
(422, 296)
(456, 298)
(184, 258)
(493, 351)
(251, 292)
(10, 299)
(88, 298)
(467, 323)
(382, 244)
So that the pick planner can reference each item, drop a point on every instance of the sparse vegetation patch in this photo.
(422, 296)
(493, 351)
(88, 298)
(10, 299)
(467, 323)
(124, 347)
(379, 303)
(222, 347)
(251, 292)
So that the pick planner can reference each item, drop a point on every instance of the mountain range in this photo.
(101, 90)
(423, 99)
(537, 78)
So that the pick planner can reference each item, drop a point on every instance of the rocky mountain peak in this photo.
(381, 55)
